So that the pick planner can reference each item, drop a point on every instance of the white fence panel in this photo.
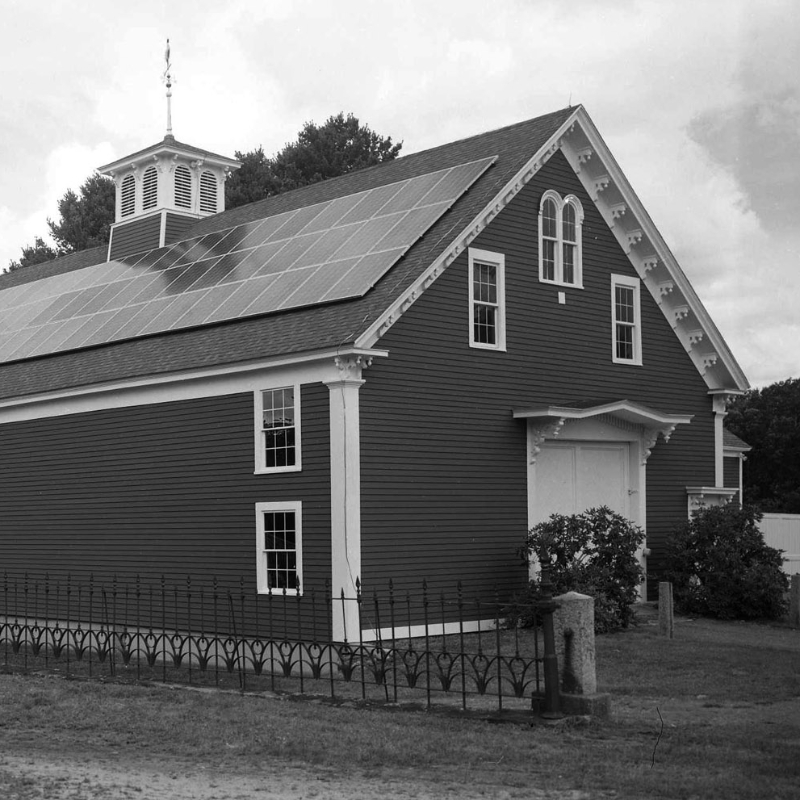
(783, 532)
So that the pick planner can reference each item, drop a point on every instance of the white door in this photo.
(574, 476)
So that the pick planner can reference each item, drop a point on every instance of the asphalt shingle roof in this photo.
(295, 331)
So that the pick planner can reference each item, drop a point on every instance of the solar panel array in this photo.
(329, 251)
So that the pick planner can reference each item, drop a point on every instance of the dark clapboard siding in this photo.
(730, 468)
(135, 236)
(176, 226)
(155, 490)
(444, 483)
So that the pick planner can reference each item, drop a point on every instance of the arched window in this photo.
(560, 222)
(149, 189)
(128, 196)
(208, 192)
(183, 186)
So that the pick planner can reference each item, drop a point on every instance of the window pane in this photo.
(569, 223)
(625, 342)
(623, 304)
(569, 263)
(279, 427)
(484, 284)
(549, 260)
(549, 226)
(485, 324)
(280, 546)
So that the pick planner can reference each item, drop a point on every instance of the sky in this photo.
(698, 100)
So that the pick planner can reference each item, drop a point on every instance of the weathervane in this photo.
(167, 78)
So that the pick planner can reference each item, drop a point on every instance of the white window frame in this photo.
(561, 203)
(260, 432)
(262, 578)
(498, 261)
(635, 284)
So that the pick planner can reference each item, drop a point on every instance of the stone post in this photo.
(574, 634)
(666, 611)
(574, 629)
(794, 602)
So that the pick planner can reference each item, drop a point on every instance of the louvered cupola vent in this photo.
(208, 192)
(183, 187)
(161, 193)
(128, 196)
(150, 189)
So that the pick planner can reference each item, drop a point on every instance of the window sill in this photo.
(276, 470)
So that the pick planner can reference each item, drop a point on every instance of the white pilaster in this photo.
(719, 403)
(345, 496)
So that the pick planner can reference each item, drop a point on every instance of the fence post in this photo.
(546, 607)
(794, 602)
(666, 610)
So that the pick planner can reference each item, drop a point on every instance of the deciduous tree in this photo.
(768, 420)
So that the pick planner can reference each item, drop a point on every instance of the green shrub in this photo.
(720, 566)
(593, 553)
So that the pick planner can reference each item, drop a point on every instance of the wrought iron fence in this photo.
(425, 646)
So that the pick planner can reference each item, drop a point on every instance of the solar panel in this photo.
(329, 251)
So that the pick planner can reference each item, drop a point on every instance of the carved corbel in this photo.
(650, 437)
(584, 154)
(635, 236)
(350, 366)
(665, 287)
(695, 337)
(680, 312)
(649, 263)
(538, 434)
(619, 210)
(601, 183)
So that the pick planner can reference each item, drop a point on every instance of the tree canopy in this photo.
(341, 145)
(84, 221)
(768, 420)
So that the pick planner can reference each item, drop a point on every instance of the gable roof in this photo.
(730, 441)
(516, 151)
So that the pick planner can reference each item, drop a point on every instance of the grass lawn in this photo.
(713, 713)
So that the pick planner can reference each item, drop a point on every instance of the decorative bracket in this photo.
(649, 263)
(538, 434)
(601, 183)
(679, 313)
(695, 337)
(650, 437)
(350, 366)
(665, 287)
(618, 210)
(635, 236)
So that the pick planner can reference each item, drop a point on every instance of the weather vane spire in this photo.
(168, 80)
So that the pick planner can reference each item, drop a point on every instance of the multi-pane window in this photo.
(278, 430)
(627, 346)
(279, 547)
(487, 299)
(560, 222)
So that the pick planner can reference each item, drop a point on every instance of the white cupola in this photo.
(163, 189)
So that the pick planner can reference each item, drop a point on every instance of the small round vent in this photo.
(128, 196)
(183, 187)
(150, 189)
(208, 192)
